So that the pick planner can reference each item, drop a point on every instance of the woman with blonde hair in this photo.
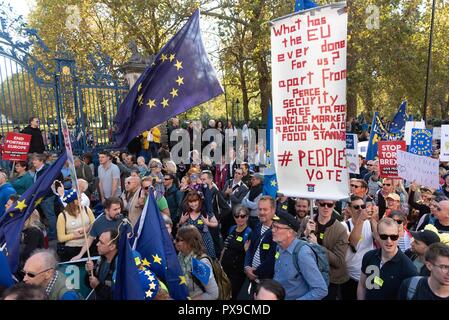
(71, 225)
(190, 246)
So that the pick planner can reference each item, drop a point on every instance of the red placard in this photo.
(387, 157)
(16, 146)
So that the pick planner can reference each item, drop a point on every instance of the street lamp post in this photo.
(429, 61)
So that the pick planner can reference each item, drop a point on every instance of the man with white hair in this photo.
(41, 270)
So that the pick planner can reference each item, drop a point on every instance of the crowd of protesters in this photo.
(388, 240)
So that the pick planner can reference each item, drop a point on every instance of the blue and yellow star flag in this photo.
(304, 5)
(127, 284)
(379, 133)
(399, 120)
(11, 223)
(270, 185)
(157, 250)
(201, 271)
(180, 78)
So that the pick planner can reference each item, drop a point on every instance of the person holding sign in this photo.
(328, 232)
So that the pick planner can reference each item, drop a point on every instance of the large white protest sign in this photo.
(422, 169)
(352, 154)
(444, 150)
(309, 102)
(409, 125)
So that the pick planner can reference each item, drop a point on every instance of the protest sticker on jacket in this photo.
(309, 102)
(422, 169)
(352, 154)
(444, 151)
(421, 143)
(388, 157)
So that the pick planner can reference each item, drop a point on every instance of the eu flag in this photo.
(180, 78)
(304, 5)
(11, 223)
(379, 133)
(270, 185)
(201, 271)
(6, 279)
(127, 284)
(398, 123)
(157, 250)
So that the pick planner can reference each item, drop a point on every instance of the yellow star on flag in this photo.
(151, 278)
(178, 65)
(146, 263)
(139, 87)
(172, 57)
(174, 92)
(268, 165)
(21, 205)
(148, 273)
(164, 57)
(38, 201)
(151, 103)
(164, 102)
(268, 153)
(140, 99)
(149, 293)
(375, 138)
(183, 280)
(273, 183)
(180, 80)
(157, 259)
(152, 286)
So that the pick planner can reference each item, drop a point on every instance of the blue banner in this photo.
(421, 142)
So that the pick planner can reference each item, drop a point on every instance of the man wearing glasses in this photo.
(328, 232)
(362, 230)
(100, 277)
(384, 269)
(37, 141)
(260, 257)
(441, 216)
(434, 287)
(388, 189)
(307, 283)
(41, 270)
(372, 177)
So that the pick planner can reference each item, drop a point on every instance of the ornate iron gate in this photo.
(50, 88)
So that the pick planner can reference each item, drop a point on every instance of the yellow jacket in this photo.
(156, 134)
(145, 142)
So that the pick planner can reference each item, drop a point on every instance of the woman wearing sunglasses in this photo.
(404, 242)
(190, 246)
(235, 247)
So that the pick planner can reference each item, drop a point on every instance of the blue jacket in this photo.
(5, 191)
(267, 253)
